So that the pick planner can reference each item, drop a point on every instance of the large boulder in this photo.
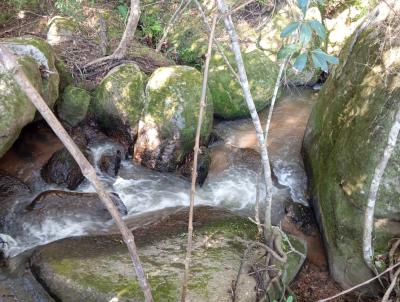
(344, 142)
(168, 126)
(16, 110)
(74, 105)
(120, 98)
(45, 57)
(226, 91)
(99, 268)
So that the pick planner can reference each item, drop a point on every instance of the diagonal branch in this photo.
(10, 64)
(196, 152)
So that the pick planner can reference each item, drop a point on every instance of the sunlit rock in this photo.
(168, 126)
(344, 141)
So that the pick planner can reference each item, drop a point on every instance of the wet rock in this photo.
(54, 203)
(344, 142)
(61, 30)
(227, 93)
(62, 169)
(120, 99)
(110, 163)
(74, 105)
(168, 126)
(203, 164)
(22, 288)
(10, 186)
(96, 268)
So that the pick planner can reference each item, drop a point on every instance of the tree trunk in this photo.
(253, 112)
(10, 64)
(127, 36)
(203, 100)
(373, 192)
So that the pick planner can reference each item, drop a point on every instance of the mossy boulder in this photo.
(229, 102)
(16, 110)
(99, 268)
(344, 142)
(60, 30)
(74, 105)
(44, 56)
(120, 98)
(168, 126)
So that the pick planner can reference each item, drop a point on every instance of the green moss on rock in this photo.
(344, 141)
(44, 55)
(168, 127)
(120, 97)
(227, 93)
(16, 110)
(60, 30)
(74, 105)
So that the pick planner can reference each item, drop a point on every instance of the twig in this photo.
(103, 35)
(202, 106)
(216, 43)
(182, 6)
(10, 64)
(361, 284)
(391, 286)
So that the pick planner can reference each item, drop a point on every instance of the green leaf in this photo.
(300, 62)
(287, 51)
(305, 34)
(123, 10)
(319, 61)
(289, 299)
(318, 28)
(328, 58)
(303, 5)
(289, 29)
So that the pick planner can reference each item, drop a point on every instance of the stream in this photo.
(231, 182)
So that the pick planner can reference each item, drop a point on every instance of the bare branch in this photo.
(182, 6)
(196, 153)
(10, 64)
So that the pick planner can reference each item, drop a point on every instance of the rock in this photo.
(74, 105)
(66, 77)
(23, 288)
(45, 57)
(226, 92)
(10, 186)
(60, 30)
(110, 163)
(344, 141)
(168, 126)
(203, 164)
(16, 109)
(98, 268)
(64, 204)
(62, 169)
(120, 98)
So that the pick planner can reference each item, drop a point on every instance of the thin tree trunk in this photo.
(182, 6)
(10, 64)
(216, 43)
(376, 181)
(127, 36)
(194, 169)
(253, 112)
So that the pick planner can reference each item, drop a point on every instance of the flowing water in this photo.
(231, 182)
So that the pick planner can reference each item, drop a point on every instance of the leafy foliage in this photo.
(69, 8)
(310, 35)
(289, 299)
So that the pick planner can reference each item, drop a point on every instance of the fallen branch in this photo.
(182, 6)
(202, 106)
(361, 284)
(10, 64)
